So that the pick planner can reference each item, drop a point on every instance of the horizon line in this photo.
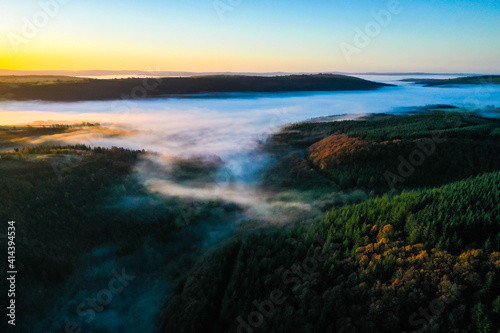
(103, 72)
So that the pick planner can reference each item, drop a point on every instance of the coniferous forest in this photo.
(418, 252)
(421, 256)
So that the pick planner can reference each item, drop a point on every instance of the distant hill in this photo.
(134, 73)
(39, 79)
(92, 89)
(162, 73)
(476, 80)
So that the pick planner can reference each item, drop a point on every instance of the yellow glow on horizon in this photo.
(183, 61)
(50, 55)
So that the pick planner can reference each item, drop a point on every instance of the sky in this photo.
(456, 36)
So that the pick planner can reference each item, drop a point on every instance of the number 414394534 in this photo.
(11, 250)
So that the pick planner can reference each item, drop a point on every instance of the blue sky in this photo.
(258, 35)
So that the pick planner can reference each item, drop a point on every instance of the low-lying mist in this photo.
(205, 158)
(230, 126)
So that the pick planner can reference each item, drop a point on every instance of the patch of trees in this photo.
(476, 80)
(61, 214)
(419, 150)
(149, 87)
(422, 260)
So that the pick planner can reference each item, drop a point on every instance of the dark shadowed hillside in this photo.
(134, 88)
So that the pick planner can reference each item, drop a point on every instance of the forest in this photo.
(419, 253)
(420, 257)
(420, 261)
(474, 80)
(66, 90)
(431, 149)
(72, 200)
